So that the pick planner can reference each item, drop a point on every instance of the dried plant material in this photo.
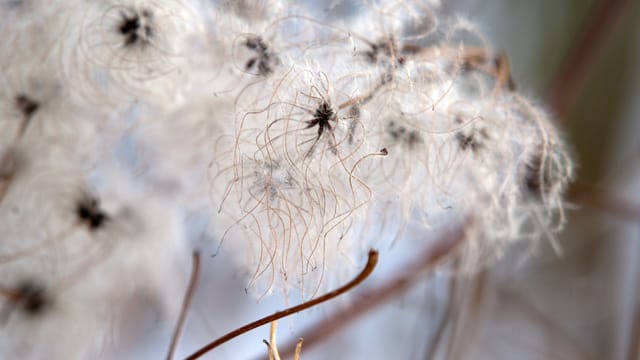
(368, 269)
(296, 142)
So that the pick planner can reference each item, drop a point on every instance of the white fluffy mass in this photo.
(302, 139)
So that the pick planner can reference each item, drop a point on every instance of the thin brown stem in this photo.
(549, 326)
(588, 45)
(371, 264)
(634, 347)
(441, 249)
(186, 304)
(7, 170)
(465, 325)
(444, 321)
(604, 200)
(475, 58)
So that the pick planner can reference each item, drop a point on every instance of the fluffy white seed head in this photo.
(302, 139)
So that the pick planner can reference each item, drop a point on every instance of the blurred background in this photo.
(577, 58)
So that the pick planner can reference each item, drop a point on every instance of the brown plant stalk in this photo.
(186, 303)
(588, 45)
(368, 269)
(426, 260)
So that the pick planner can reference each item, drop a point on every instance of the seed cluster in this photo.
(299, 142)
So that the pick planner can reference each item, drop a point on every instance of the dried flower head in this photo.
(301, 142)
